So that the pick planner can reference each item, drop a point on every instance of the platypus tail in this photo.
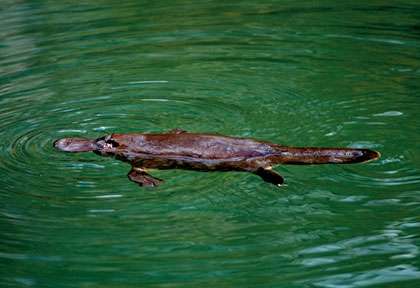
(315, 155)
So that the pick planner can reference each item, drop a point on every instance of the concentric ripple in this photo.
(299, 74)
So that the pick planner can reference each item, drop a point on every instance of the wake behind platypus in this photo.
(178, 149)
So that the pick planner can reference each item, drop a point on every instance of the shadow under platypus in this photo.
(178, 149)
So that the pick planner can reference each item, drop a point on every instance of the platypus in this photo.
(179, 149)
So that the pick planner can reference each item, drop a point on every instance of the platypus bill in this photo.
(178, 149)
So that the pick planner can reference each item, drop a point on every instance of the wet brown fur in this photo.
(178, 149)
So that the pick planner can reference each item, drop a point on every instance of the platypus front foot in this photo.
(140, 176)
(269, 176)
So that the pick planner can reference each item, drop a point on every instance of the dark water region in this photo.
(302, 73)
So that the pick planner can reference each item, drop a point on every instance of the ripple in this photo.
(86, 70)
(389, 114)
(371, 277)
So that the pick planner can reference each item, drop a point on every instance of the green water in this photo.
(302, 73)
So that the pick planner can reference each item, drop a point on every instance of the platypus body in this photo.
(178, 149)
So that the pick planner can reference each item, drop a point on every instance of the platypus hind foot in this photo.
(269, 176)
(141, 177)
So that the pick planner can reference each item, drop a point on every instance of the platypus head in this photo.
(104, 146)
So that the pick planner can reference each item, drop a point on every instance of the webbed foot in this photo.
(143, 179)
(269, 176)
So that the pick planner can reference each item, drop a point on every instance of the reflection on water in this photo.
(304, 74)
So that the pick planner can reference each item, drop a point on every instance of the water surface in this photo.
(297, 73)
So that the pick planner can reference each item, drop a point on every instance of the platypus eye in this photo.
(107, 142)
(112, 143)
